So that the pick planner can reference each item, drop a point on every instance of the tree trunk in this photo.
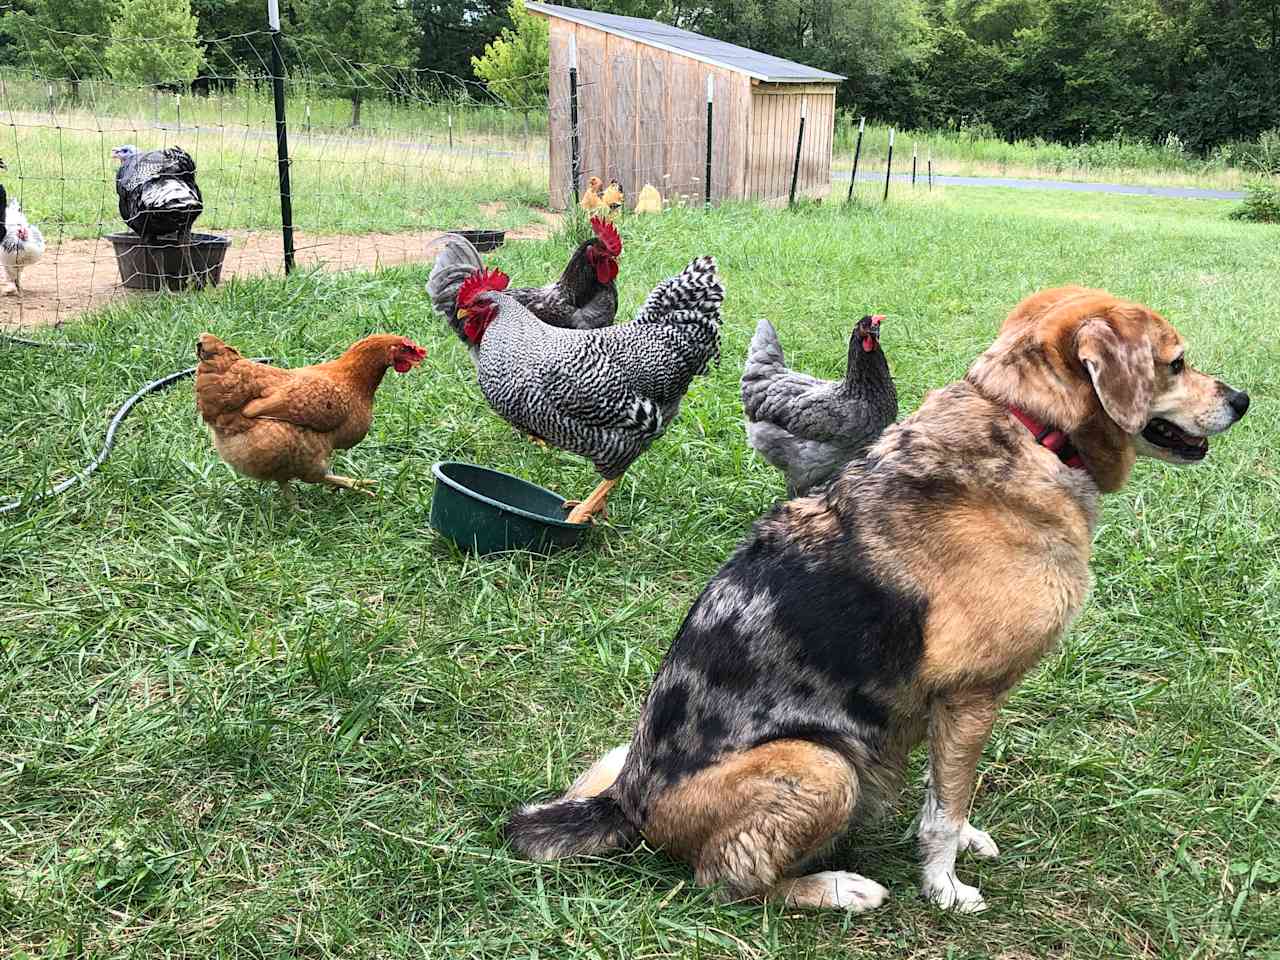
(356, 100)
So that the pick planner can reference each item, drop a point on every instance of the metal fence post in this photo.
(795, 171)
(711, 87)
(930, 168)
(888, 166)
(575, 158)
(857, 152)
(913, 165)
(282, 133)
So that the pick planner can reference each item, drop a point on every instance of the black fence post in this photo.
(282, 134)
(575, 159)
(913, 166)
(930, 168)
(711, 88)
(888, 166)
(795, 170)
(857, 152)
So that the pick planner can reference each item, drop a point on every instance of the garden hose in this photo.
(63, 486)
(64, 345)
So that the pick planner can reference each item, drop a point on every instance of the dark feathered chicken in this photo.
(810, 428)
(584, 298)
(157, 190)
(603, 394)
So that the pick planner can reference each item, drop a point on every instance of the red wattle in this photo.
(868, 344)
(606, 269)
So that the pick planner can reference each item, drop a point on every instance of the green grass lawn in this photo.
(228, 730)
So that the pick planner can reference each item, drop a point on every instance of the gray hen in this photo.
(810, 428)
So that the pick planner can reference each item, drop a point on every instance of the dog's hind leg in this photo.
(958, 730)
(750, 822)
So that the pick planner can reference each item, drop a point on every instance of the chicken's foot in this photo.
(346, 483)
(594, 504)
(286, 492)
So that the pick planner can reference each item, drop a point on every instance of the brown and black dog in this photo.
(902, 603)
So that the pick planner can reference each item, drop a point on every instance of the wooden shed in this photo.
(642, 89)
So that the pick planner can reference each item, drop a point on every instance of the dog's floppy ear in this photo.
(1121, 369)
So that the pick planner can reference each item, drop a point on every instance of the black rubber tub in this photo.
(484, 240)
(169, 262)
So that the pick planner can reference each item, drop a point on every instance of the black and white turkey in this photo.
(158, 191)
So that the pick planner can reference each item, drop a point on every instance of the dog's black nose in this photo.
(1239, 401)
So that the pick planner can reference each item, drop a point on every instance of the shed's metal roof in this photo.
(761, 66)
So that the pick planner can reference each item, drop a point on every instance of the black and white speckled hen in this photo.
(584, 298)
(810, 428)
(603, 394)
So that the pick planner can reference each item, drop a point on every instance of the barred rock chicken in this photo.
(274, 424)
(584, 298)
(603, 394)
(21, 243)
(158, 191)
(810, 428)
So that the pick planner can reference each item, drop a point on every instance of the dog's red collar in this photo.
(1051, 438)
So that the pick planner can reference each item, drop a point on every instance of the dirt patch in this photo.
(77, 275)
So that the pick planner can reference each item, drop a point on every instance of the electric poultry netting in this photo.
(381, 159)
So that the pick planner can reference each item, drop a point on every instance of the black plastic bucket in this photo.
(169, 262)
(484, 240)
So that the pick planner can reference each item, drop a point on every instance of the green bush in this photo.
(1261, 202)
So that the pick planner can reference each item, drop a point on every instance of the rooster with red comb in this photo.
(584, 298)
(603, 394)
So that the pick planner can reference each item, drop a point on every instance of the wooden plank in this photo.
(794, 89)
(592, 101)
(558, 115)
(652, 116)
(741, 121)
(620, 110)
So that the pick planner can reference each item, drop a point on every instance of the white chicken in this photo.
(22, 246)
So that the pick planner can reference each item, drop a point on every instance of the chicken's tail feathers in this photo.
(456, 261)
(570, 828)
(764, 361)
(692, 296)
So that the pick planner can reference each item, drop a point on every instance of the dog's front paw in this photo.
(950, 894)
(978, 842)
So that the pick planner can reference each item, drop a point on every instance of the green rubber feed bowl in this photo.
(488, 511)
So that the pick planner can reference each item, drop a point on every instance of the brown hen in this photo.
(279, 425)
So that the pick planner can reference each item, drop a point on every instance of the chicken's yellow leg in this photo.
(333, 480)
(593, 504)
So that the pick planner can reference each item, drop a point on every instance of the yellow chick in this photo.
(591, 199)
(649, 201)
(613, 197)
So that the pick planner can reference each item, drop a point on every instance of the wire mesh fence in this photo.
(381, 159)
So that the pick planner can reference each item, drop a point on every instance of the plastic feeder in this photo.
(487, 511)
(484, 240)
(169, 262)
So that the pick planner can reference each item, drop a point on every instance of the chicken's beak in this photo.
(463, 313)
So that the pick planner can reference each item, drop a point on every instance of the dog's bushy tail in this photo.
(570, 828)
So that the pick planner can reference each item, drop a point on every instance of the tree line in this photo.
(1204, 71)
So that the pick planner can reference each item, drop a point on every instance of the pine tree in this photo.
(154, 42)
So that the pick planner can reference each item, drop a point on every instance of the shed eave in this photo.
(567, 13)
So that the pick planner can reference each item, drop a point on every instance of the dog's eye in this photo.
(1177, 365)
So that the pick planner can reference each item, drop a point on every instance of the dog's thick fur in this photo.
(902, 603)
